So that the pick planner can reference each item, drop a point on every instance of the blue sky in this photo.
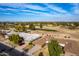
(39, 12)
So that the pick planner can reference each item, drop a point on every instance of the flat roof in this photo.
(29, 37)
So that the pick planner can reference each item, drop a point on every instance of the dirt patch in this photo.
(71, 46)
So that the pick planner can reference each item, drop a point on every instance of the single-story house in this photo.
(29, 37)
(25, 36)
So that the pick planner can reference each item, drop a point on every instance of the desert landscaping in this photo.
(37, 38)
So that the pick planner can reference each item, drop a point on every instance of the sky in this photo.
(50, 12)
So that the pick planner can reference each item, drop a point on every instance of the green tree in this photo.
(31, 26)
(54, 49)
(14, 38)
(41, 25)
(21, 28)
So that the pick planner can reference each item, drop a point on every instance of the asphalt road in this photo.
(11, 51)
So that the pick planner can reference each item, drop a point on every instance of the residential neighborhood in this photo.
(38, 41)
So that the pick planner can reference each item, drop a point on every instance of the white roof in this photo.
(26, 36)
(29, 37)
(12, 32)
(61, 44)
(5, 31)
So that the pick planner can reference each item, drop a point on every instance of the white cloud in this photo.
(22, 5)
(5, 9)
(23, 10)
(43, 14)
(38, 13)
(11, 9)
(76, 9)
(35, 7)
(53, 7)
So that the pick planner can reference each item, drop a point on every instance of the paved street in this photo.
(10, 51)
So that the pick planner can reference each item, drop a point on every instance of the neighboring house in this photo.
(29, 37)
(25, 36)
